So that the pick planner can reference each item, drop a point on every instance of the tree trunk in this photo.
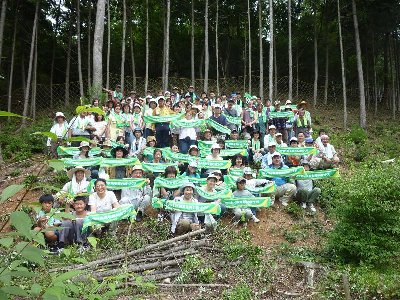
(98, 48)
(53, 57)
(133, 61)
(271, 50)
(297, 73)
(216, 47)
(34, 77)
(249, 32)
(23, 73)
(275, 72)
(260, 35)
(326, 74)
(146, 77)
(192, 45)
(10, 82)
(108, 44)
(89, 50)
(363, 113)
(393, 71)
(206, 51)
(245, 63)
(342, 67)
(315, 61)
(123, 46)
(2, 24)
(167, 45)
(67, 71)
(290, 94)
(78, 33)
(28, 80)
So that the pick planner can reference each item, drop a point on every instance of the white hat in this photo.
(217, 105)
(193, 164)
(276, 154)
(271, 127)
(293, 139)
(215, 146)
(288, 102)
(59, 114)
(271, 144)
(212, 176)
(71, 172)
(187, 184)
(193, 147)
(84, 144)
(247, 171)
(160, 98)
(278, 134)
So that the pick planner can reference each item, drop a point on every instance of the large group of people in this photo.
(210, 140)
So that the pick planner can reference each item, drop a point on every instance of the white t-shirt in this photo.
(100, 126)
(104, 204)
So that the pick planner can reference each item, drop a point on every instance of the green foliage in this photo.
(10, 191)
(294, 210)
(15, 172)
(194, 270)
(368, 217)
(357, 135)
(239, 292)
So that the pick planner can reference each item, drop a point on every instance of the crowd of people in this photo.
(215, 144)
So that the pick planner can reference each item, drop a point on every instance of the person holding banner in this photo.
(307, 194)
(80, 126)
(60, 128)
(327, 158)
(210, 189)
(242, 214)
(267, 158)
(149, 129)
(102, 200)
(270, 137)
(138, 143)
(162, 129)
(77, 185)
(183, 222)
(116, 123)
(187, 135)
(191, 170)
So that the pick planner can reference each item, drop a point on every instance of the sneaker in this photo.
(312, 208)
(160, 217)
(255, 219)
(303, 205)
(284, 202)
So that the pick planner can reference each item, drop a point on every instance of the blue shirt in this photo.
(279, 180)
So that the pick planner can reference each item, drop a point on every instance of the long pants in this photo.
(184, 145)
(139, 204)
(162, 135)
(148, 132)
(239, 212)
(309, 197)
(184, 226)
(285, 192)
(71, 233)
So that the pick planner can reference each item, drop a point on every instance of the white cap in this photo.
(217, 106)
(271, 144)
(59, 114)
(193, 164)
(215, 146)
(293, 139)
(278, 134)
(288, 102)
(271, 127)
(247, 170)
(276, 154)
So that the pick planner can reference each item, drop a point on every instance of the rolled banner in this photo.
(225, 152)
(213, 164)
(281, 114)
(106, 152)
(84, 162)
(218, 127)
(117, 184)
(233, 120)
(224, 194)
(71, 151)
(172, 183)
(269, 188)
(235, 172)
(297, 150)
(236, 144)
(157, 203)
(126, 211)
(178, 157)
(162, 119)
(193, 207)
(196, 181)
(150, 150)
(318, 174)
(184, 123)
(205, 144)
(114, 162)
(247, 202)
(272, 173)
(156, 167)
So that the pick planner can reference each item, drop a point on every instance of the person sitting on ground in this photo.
(71, 231)
(285, 191)
(183, 222)
(242, 214)
(139, 197)
(77, 185)
(45, 221)
(60, 129)
(220, 184)
(267, 158)
(327, 157)
(309, 142)
(118, 172)
(318, 141)
(270, 137)
(210, 189)
(293, 160)
(307, 194)
(102, 200)
(215, 155)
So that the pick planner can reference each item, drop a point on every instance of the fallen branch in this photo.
(189, 285)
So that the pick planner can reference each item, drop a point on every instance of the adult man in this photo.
(80, 126)
(267, 158)
(285, 190)
(279, 141)
(219, 118)
(162, 128)
(280, 123)
(230, 111)
(327, 157)
(140, 198)
(261, 124)
(249, 118)
(301, 123)
(307, 194)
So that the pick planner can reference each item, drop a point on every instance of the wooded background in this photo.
(55, 51)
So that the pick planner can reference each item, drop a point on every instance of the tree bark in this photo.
(133, 60)
(363, 113)
(271, 50)
(393, 71)
(146, 77)
(123, 46)
(10, 82)
(108, 44)
(275, 72)
(326, 74)
(34, 77)
(260, 35)
(206, 51)
(192, 46)
(216, 46)
(98, 48)
(78, 33)
(2, 24)
(68, 68)
(342, 67)
(167, 45)
(245, 63)
(249, 32)
(375, 78)
(53, 57)
(89, 50)
(28, 80)
(290, 94)
(315, 95)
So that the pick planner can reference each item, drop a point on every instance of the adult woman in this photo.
(102, 200)
(255, 151)
(187, 135)
(169, 193)
(116, 123)
(150, 127)
(138, 143)
(293, 160)
(128, 123)
(191, 170)
(77, 185)
(238, 162)
(118, 172)
(100, 127)
(84, 149)
(60, 128)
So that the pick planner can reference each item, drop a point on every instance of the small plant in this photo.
(239, 292)
(294, 210)
(193, 270)
(16, 172)
(358, 135)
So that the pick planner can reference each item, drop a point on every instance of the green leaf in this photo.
(85, 108)
(22, 222)
(31, 253)
(66, 252)
(10, 114)
(78, 139)
(16, 263)
(48, 134)
(10, 191)
(6, 242)
(80, 260)
(54, 293)
(56, 164)
(38, 238)
(64, 215)
(14, 290)
(35, 289)
(92, 241)
(66, 276)
(26, 274)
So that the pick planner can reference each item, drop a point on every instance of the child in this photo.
(242, 214)
(45, 219)
(307, 194)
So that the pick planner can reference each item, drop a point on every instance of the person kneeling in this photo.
(307, 194)
(242, 214)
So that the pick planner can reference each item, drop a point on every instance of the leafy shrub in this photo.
(361, 152)
(358, 135)
(368, 217)
(239, 292)
(193, 270)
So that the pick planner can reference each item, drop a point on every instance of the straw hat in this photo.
(71, 172)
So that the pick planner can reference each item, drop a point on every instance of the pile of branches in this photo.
(152, 262)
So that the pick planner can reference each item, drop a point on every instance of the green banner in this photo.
(106, 152)
(156, 167)
(224, 194)
(319, 174)
(184, 123)
(205, 144)
(114, 162)
(172, 183)
(179, 157)
(162, 119)
(196, 181)
(272, 173)
(189, 207)
(126, 211)
(297, 150)
(281, 114)
(235, 172)
(243, 202)
(83, 162)
(150, 150)
(237, 144)
(117, 184)
(265, 189)
(71, 151)
(224, 152)
(233, 120)
(213, 164)
(218, 127)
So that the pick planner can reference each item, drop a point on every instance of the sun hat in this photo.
(115, 149)
(240, 179)
(187, 184)
(59, 114)
(84, 144)
(151, 138)
(72, 171)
